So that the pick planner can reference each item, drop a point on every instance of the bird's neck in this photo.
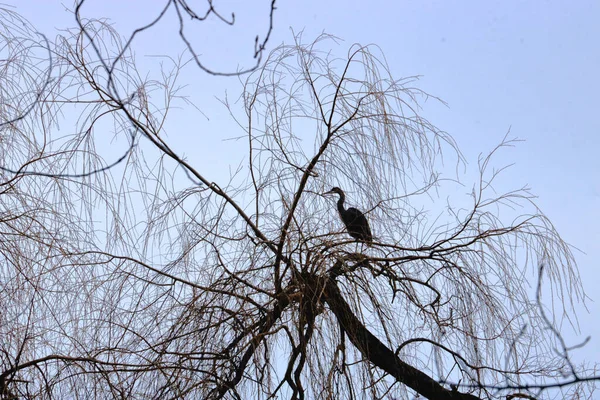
(340, 204)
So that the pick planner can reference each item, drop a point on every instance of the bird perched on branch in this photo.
(355, 221)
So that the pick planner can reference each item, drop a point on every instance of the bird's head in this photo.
(335, 190)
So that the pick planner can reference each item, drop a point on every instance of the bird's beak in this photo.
(327, 193)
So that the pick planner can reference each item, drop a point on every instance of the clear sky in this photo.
(528, 66)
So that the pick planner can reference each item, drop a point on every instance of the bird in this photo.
(355, 221)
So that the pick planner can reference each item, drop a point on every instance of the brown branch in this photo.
(267, 323)
(380, 355)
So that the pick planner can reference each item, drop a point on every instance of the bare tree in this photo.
(128, 272)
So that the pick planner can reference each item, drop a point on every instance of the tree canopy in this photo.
(128, 270)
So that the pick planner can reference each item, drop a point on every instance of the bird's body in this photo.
(355, 221)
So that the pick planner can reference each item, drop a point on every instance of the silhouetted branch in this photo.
(21, 172)
(376, 352)
(182, 8)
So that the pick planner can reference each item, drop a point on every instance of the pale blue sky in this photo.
(530, 66)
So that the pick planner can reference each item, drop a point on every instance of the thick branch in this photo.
(266, 324)
(376, 352)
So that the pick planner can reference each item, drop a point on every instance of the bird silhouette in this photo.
(355, 221)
